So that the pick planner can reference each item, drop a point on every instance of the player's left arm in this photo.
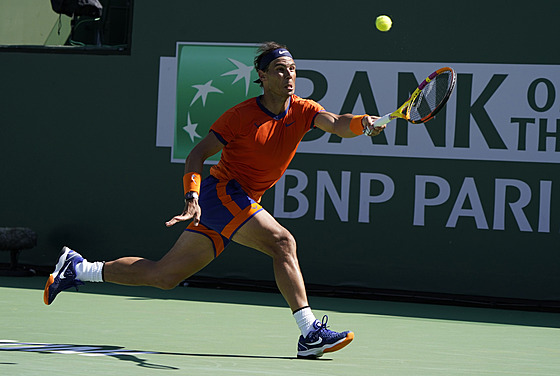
(341, 124)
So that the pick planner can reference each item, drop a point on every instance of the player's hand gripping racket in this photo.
(426, 101)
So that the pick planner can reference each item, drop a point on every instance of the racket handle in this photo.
(378, 123)
(382, 121)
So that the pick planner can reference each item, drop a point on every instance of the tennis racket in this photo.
(425, 102)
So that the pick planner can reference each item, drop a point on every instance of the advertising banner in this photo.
(471, 181)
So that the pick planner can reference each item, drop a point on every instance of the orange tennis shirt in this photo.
(259, 145)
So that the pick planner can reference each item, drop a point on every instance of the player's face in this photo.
(280, 77)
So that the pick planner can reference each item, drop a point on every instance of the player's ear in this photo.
(262, 75)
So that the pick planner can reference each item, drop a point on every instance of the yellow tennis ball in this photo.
(383, 23)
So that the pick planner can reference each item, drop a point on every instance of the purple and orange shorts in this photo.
(225, 208)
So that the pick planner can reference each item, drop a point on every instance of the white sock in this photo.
(305, 319)
(90, 271)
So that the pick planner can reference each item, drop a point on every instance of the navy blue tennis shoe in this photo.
(64, 275)
(322, 340)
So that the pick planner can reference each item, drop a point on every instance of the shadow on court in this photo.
(319, 303)
(118, 352)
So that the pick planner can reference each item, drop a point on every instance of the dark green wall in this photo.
(80, 165)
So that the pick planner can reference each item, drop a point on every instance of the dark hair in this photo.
(264, 49)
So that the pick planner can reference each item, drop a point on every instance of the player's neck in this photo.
(275, 104)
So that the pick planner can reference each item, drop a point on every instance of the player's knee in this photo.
(163, 280)
(166, 283)
(168, 286)
(285, 245)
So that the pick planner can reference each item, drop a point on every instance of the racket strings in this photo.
(431, 96)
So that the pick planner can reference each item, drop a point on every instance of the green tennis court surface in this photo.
(114, 330)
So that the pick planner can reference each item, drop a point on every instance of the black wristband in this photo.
(191, 195)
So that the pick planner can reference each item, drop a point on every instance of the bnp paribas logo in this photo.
(208, 80)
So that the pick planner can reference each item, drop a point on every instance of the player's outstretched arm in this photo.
(347, 125)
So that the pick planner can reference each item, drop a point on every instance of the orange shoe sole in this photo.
(46, 292)
(342, 344)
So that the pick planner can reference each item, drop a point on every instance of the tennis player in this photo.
(258, 139)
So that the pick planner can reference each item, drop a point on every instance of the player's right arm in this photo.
(340, 125)
(206, 148)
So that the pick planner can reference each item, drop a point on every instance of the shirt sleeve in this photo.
(226, 127)
(312, 109)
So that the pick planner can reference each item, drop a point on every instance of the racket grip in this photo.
(382, 121)
(378, 123)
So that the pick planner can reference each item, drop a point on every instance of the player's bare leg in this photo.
(191, 253)
(263, 233)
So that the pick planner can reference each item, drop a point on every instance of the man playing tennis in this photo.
(258, 139)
